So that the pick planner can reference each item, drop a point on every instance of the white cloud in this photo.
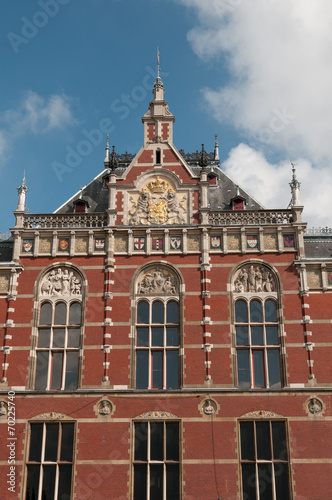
(278, 54)
(269, 183)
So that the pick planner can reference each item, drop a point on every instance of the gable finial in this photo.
(107, 152)
(216, 147)
(295, 186)
(22, 191)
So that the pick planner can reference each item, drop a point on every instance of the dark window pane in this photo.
(272, 335)
(274, 368)
(156, 482)
(142, 369)
(48, 482)
(71, 370)
(157, 336)
(60, 314)
(172, 482)
(56, 370)
(172, 361)
(32, 482)
(41, 371)
(142, 336)
(258, 362)
(172, 441)
(270, 311)
(247, 441)
(249, 481)
(141, 439)
(44, 337)
(64, 482)
(279, 441)
(51, 445)
(263, 441)
(257, 335)
(172, 336)
(75, 314)
(45, 314)
(143, 312)
(265, 482)
(157, 441)
(36, 438)
(172, 312)
(140, 480)
(59, 337)
(157, 312)
(243, 369)
(255, 311)
(67, 442)
(74, 335)
(157, 370)
(281, 480)
(242, 335)
(241, 312)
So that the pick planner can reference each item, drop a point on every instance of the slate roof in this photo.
(318, 247)
(6, 250)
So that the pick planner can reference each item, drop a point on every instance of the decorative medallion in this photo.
(4, 283)
(157, 281)
(27, 246)
(252, 241)
(193, 242)
(254, 278)
(139, 243)
(45, 245)
(157, 243)
(63, 245)
(104, 408)
(215, 242)
(209, 407)
(329, 277)
(233, 242)
(270, 241)
(81, 245)
(61, 282)
(314, 279)
(120, 243)
(315, 406)
(99, 245)
(157, 203)
(289, 240)
(175, 243)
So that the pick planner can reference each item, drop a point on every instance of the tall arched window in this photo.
(257, 331)
(157, 335)
(59, 331)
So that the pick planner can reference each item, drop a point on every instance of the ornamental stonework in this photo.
(4, 283)
(45, 245)
(61, 281)
(270, 241)
(120, 243)
(157, 203)
(156, 415)
(314, 279)
(254, 278)
(157, 281)
(193, 242)
(233, 242)
(81, 245)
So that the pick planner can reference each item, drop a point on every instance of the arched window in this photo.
(257, 337)
(157, 336)
(59, 331)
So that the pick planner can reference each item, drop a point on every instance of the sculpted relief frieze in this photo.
(254, 278)
(157, 281)
(157, 203)
(61, 282)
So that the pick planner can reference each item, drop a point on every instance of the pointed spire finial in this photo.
(216, 147)
(107, 152)
(158, 62)
(22, 191)
(295, 186)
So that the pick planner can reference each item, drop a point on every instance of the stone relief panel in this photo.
(120, 243)
(158, 203)
(61, 282)
(157, 281)
(314, 278)
(253, 278)
(81, 245)
(45, 245)
(270, 241)
(4, 283)
(315, 406)
(193, 242)
(233, 242)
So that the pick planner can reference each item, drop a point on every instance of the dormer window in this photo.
(238, 204)
(80, 206)
(213, 180)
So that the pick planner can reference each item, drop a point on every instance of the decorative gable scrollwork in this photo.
(157, 281)
(254, 278)
(157, 203)
(61, 282)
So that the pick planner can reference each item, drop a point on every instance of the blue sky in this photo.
(70, 67)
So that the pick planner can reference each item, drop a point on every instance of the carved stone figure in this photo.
(209, 407)
(3, 409)
(315, 406)
(61, 282)
(157, 281)
(105, 408)
(141, 209)
(253, 278)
